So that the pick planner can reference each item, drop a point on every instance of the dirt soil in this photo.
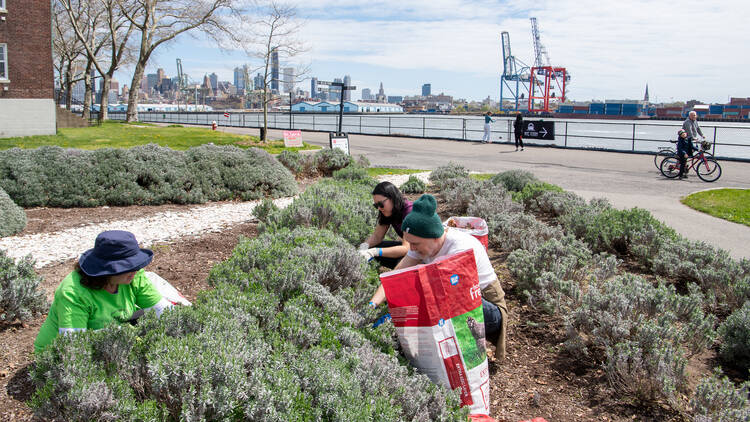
(535, 380)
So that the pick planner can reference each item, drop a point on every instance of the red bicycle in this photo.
(706, 167)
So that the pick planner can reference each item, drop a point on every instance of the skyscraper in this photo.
(334, 92)
(239, 78)
(366, 94)
(288, 79)
(259, 81)
(426, 90)
(347, 93)
(313, 88)
(275, 70)
(214, 78)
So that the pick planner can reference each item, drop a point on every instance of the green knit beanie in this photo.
(423, 221)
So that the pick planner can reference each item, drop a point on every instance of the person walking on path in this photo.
(690, 125)
(429, 240)
(487, 127)
(684, 150)
(518, 131)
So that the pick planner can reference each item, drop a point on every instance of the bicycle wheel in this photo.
(709, 170)
(661, 155)
(670, 167)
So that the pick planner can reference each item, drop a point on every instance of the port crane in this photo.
(544, 78)
(515, 76)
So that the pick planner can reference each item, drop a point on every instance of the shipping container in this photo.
(565, 109)
(716, 109)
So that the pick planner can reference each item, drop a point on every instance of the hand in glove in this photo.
(363, 246)
(369, 254)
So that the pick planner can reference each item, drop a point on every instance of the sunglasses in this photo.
(379, 204)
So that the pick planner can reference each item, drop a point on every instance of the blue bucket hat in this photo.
(115, 252)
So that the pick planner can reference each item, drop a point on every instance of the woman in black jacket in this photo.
(518, 131)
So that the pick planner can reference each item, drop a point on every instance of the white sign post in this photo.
(340, 141)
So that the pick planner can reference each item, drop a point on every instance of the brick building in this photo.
(27, 104)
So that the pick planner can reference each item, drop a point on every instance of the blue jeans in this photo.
(493, 319)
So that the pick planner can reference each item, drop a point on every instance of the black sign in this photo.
(339, 140)
(539, 129)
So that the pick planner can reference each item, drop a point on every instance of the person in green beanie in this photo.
(429, 240)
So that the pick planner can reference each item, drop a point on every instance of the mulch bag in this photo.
(475, 226)
(437, 312)
(167, 290)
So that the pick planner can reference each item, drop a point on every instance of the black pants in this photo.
(683, 163)
(385, 261)
(519, 140)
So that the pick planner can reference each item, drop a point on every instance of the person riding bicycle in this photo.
(684, 150)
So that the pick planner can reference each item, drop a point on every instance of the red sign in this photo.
(292, 138)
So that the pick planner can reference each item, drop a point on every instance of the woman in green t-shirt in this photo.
(107, 284)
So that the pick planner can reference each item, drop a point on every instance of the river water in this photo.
(730, 139)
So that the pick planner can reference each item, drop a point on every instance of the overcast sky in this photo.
(683, 50)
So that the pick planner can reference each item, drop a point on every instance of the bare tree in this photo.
(272, 38)
(105, 25)
(67, 52)
(161, 21)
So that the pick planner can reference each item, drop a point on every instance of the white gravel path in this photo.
(54, 247)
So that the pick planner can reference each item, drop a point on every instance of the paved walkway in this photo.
(626, 180)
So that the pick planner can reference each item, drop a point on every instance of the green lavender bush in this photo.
(20, 298)
(12, 217)
(493, 203)
(413, 185)
(531, 191)
(734, 333)
(513, 180)
(446, 172)
(460, 192)
(149, 174)
(340, 206)
(717, 399)
(519, 230)
(263, 345)
(354, 172)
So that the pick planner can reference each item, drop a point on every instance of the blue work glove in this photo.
(385, 318)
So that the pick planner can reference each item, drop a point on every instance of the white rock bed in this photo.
(54, 247)
(48, 248)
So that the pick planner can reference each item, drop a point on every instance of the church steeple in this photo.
(645, 97)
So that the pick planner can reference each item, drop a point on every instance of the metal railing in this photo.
(730, 140)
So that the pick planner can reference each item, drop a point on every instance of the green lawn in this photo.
(729, 204)
(380, 171)
(123, 135)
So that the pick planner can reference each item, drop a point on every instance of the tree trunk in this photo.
(87, 100)
(104, 104)
(68, 89)
(135, 86)
(264, 135)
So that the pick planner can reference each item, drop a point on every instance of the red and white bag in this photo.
(437, 312)
(475, 226)
(167, 290)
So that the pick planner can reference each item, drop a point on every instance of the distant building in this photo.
(214, 78)
(395, 99)
(152, 82)
(288, 79)
(366, 94)
(240, 73)
(275, 70)
(347, 93)
(349, 107)
(426, 90)
(645, 96)
(314, 88)
(380, 98)
(258, 82)
(27, 105)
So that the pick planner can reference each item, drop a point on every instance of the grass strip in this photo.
(123, 135)
(728, 204)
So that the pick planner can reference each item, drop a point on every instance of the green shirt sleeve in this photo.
(73, 310)
(145, 293)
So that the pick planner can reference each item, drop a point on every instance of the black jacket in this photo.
(685, 146)
(518, 126)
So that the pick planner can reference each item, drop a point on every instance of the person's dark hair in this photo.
(95, 283)
(390, 191)
(519, 117)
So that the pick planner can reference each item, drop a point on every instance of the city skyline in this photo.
(611, 49)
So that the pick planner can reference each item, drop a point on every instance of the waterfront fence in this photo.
(729, 140)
